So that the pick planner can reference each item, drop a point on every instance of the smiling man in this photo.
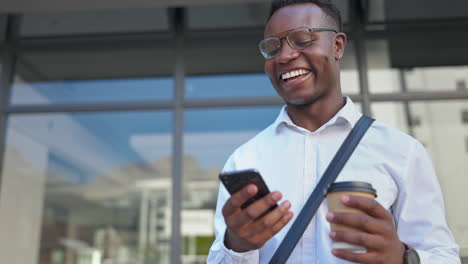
(303, 45)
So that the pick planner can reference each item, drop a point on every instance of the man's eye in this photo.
(303, 42)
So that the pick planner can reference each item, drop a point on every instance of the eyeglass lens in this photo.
(298, 39)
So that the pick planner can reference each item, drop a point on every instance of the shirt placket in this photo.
(309, 180)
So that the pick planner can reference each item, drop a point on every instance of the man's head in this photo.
(304, 67)
(328, 8)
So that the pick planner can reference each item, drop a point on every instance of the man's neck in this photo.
(312, 116)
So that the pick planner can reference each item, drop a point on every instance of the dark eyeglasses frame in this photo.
(311, 30)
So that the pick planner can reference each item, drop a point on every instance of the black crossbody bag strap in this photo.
(310, 208)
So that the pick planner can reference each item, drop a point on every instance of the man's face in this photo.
(317, 64)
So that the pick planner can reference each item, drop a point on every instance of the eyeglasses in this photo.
(299, 38)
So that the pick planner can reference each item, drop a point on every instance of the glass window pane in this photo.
(431, 46)
(393, 67)
(440, 128)
(376, 11)
(358, 106)
(233, 85)
(94, 22)
(3, 25)
(425, 9)
(382, 77)
(392, 113)
(348, 70)
(239, 15)
(87, 188)
(343, 6)
(242, 15)
(223, 52)
(395, 10)
(93, 76)
(210, 137)
(447, 78)
(442, 131)
(89, 91)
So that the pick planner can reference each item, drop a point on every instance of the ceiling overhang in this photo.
(26, 6)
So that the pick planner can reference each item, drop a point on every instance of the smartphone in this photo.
(234, 181)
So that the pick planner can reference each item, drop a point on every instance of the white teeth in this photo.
(292, 74)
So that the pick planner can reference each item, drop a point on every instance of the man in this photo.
(303, 46)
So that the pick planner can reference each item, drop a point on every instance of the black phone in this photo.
(236, 180)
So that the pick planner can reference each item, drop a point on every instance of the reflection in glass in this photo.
(90, 91)
(210, 137)
(234, 85)
(88, 76)
(382, 77)
(94, 22)
(3, 27)
(423, 10)
(376, 11)
(239, 15)
(440, 128)
(444, 78)
(87, 188)
(214, 52)
(349, 76)
(391, 113)
(343, 6)
(358, 106)
(442, 131)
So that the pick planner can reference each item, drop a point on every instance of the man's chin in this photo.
(299, 101)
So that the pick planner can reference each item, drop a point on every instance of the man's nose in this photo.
(287, 53)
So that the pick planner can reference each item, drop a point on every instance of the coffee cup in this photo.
(334, 194)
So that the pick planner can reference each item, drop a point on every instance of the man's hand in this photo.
(378, 234)
(245, 230)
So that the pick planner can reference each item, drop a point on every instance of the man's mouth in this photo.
(290, 75)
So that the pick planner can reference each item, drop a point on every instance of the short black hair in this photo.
(326, 5)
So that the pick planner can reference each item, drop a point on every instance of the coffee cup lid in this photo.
(353, 186)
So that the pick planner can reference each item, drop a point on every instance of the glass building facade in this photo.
(115, 122)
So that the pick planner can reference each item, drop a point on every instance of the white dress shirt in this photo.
(291, 160)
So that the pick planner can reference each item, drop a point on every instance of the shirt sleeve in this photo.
(218, 252)
(420, 214)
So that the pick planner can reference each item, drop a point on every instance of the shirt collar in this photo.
(347, 115)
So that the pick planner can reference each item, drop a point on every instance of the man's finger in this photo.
(259, 207)
(366, 240)
(363, 222)
(367, 205)
(270, 232)
(269, 220)
(282, 222)
(236, 200)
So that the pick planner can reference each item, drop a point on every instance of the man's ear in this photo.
(339, 45)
